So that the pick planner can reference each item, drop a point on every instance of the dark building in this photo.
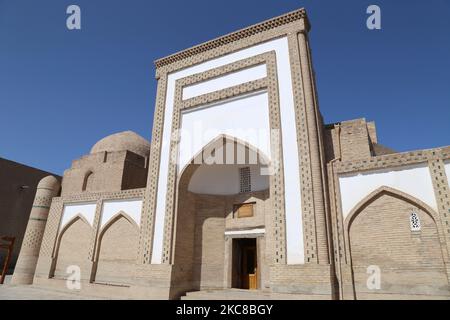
(18, 184)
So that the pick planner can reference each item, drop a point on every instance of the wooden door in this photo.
(249, 268)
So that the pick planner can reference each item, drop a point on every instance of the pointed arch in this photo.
(65, 227)
(379, 239)
(116, 253)
(221, 140)
(109, 223)
(114, 218)
(199, 259)
(385, 190)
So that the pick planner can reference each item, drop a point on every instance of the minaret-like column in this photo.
(314, 133)
(47, 188)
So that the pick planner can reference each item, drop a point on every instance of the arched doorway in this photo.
(223, 209)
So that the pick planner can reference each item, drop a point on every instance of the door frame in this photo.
(236, 264)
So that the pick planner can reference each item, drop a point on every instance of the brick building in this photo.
(245, 189)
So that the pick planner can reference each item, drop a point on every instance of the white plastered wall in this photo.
(231, 117)
(131, 207)
(413, 180)
(226, 81)
(294, 224)
(225, 179)
(86, 210)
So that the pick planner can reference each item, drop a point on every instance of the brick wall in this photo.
(111, 171)
(74, 249)
(201, 257)
(410, 261)
(117, 252)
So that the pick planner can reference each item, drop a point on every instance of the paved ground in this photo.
(31, 293)
(243, 294)
(10, 292)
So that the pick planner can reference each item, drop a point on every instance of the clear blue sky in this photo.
(61, 90)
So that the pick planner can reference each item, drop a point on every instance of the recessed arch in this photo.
(220, 160)
(377, 233)
(116, 251)
(198, 249)
(113, 219)
(78, 216)
(72, 246)
(385, 190)
(220, 141)
(87, 181)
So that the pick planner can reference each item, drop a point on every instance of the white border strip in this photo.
(251, 231)
(225, 81)
(447, 170)
(132, 207)
(70, 210)
(294, 223)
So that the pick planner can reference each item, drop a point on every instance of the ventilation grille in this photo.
(415, 222)
(245, 180)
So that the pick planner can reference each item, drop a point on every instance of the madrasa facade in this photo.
(244, 192)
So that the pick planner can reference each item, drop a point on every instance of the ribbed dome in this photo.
(126, 140)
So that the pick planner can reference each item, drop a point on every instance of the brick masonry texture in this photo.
(200, 229)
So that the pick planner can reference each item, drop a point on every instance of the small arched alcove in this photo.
(88, 181)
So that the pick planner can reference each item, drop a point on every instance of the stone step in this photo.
(239, 294)
(226, 295)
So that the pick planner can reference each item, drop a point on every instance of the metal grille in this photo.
(245, 179)
(415, 222)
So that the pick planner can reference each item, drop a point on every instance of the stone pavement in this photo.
(242, 294)
(30, 292)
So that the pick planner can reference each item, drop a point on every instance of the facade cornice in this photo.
(284, 19)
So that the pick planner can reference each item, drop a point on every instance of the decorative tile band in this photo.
(240, 34)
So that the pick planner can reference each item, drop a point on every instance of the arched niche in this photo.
(116, 252)
(72, 249)
(379, 237)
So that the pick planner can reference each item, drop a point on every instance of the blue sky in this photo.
(61, 90)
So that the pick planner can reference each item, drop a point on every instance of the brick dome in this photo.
(126, 140)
